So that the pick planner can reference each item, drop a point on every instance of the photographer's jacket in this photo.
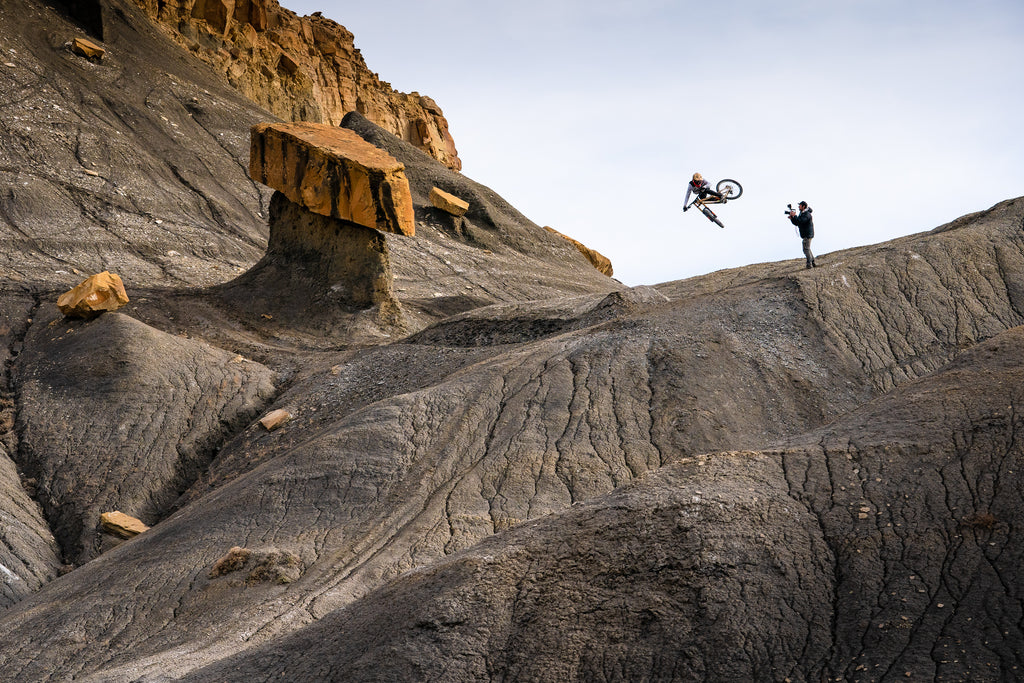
(804, 222)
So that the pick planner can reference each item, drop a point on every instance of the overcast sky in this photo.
(888, 117)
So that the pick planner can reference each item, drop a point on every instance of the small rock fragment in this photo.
(122, 525)
(448, 202)
(275, 419)
(87, 49)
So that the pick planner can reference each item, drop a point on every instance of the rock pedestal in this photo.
(327, 260)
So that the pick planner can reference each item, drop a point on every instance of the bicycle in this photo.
(730, 191)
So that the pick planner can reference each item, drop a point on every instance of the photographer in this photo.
(805, 224)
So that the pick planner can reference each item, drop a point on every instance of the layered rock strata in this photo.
(300, 68)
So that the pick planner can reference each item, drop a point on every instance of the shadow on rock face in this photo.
(88, 14)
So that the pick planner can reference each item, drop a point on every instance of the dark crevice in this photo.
(10, 405)
(86, 14)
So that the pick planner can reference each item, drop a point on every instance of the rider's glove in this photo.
(685, 208)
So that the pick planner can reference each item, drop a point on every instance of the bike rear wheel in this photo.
(730, 189)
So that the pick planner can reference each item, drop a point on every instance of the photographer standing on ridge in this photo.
(805, 224)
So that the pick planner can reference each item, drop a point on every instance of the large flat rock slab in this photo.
(333, 172)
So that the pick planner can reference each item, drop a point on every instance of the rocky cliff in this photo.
(300, 68)
(531, 472)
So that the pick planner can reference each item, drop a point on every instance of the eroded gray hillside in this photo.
(532, 472)
(116, 415)
(130, 164)
(882, 547)
(905, 307)
(401, 455)
(29, 553)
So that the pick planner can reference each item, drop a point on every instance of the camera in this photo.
(789, 209)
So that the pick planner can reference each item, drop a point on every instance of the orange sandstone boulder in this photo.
(333, 172)
(275, 418)
(87, 49)
(101, 292)
(448, 202)
(122, 525)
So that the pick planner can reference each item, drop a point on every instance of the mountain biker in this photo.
(805, 224)
(701, 187)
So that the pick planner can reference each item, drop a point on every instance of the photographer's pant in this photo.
(806, 241)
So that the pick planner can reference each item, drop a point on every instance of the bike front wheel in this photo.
(712, 217)
(730, 189)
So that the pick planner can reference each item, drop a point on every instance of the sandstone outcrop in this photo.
(597, 259)
(300, 68)
(448, 203)
(94, 295)
(333, 172)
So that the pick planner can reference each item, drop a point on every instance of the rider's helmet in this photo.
(697, 177)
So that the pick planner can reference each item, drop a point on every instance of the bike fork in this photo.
(711, 216)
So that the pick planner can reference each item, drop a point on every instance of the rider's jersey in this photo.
(695, 187)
